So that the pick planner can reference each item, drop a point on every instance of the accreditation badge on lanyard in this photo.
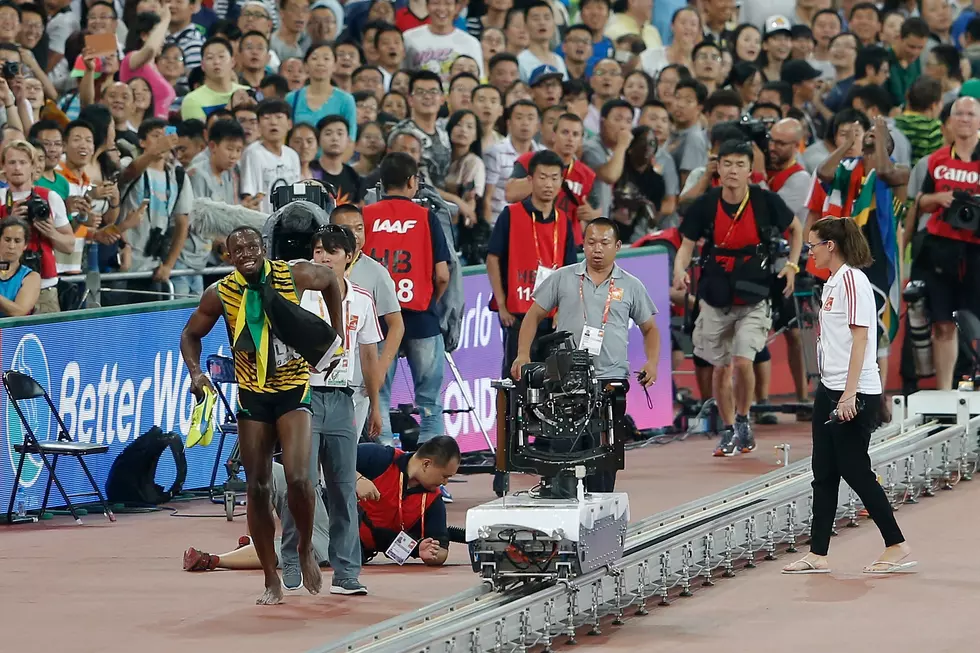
(403, 545)
(544, 272)
(591, 340)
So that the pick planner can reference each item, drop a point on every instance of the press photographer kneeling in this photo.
(738, 223)
(44, 211)
(949, 259)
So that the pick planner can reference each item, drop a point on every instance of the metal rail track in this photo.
(673, 550)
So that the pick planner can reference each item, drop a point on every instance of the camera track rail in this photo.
(669, 553)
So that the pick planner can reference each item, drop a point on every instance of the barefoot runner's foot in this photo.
(312, 579)
(272, 595)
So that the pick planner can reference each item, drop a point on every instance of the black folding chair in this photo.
(21, 387)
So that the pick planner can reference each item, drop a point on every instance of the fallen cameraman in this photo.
(418, 510)
(44, 210)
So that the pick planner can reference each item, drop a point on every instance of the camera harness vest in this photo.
(742, 275)
(35, 243)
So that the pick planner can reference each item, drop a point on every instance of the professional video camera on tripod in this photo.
(556, 421)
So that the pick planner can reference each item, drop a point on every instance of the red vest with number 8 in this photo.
(397, 235)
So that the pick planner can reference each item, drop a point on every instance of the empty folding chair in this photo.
(20, 388)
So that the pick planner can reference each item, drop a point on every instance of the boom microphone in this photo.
(212, 219)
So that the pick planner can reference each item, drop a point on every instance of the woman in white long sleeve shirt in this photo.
(849, 384)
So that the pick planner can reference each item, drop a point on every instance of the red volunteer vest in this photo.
(397, 235)
(579, 179)
(49, 269)
(949, 173)
(531, 244)
(777, 179)
(383, 514)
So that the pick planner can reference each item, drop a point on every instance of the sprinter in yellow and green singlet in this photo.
(274, 389)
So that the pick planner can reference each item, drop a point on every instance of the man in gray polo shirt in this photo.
(373, 277)
(596, 299)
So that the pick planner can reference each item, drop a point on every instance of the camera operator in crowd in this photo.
(44, 211)
(407, 239)
(949, 261)
(19, 284)
(595, 300)
(737, 222)
(530, 240)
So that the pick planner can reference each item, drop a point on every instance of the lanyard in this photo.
(735, 218)
(534, 232)
(351, 266)
(401, 520)
(605, 311)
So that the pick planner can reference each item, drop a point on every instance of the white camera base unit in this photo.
(522, 537)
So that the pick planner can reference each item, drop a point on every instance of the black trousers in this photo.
(606, 481)
(840, 451)
(512, 335)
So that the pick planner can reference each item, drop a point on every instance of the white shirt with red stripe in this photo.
(361, 318)
(848, 301)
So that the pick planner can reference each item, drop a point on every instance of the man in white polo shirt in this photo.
(334, 438)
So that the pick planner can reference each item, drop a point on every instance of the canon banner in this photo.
(114, 377)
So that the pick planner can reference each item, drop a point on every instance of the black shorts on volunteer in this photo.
(267, 407)
(951, 272)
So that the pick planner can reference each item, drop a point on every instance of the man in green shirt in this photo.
(905, 66)
(218, 87)
(46, 136)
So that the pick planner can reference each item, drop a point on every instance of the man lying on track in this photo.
(418, 510)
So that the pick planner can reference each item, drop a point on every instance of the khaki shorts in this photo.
(739, 331)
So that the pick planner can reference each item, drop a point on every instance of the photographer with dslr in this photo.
(949, 261)
(596, 299)
(738, 223)
(44, 211)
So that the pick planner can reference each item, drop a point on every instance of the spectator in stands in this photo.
(20, 286)
(689, 142)
(291, 39)
(143, 43)
(607, 84)
(218, 84)
(216, 176)
(46, 235)
(540, 20)
(190, 141)
(606, 153)
(523, 121)
(433, 46)
(252, 59)
(269, 160)
(158, 198)
(330, 167)
(48, 133)
(905, 65)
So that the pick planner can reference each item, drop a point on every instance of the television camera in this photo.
(556, 421)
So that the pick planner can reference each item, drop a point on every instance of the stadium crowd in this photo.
(117, 115)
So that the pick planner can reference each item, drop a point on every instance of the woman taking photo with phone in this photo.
(848, 399)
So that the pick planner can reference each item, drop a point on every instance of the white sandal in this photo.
(810, 568)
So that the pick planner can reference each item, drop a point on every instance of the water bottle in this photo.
(21, 502)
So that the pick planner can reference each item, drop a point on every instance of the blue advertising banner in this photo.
(113, 374)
